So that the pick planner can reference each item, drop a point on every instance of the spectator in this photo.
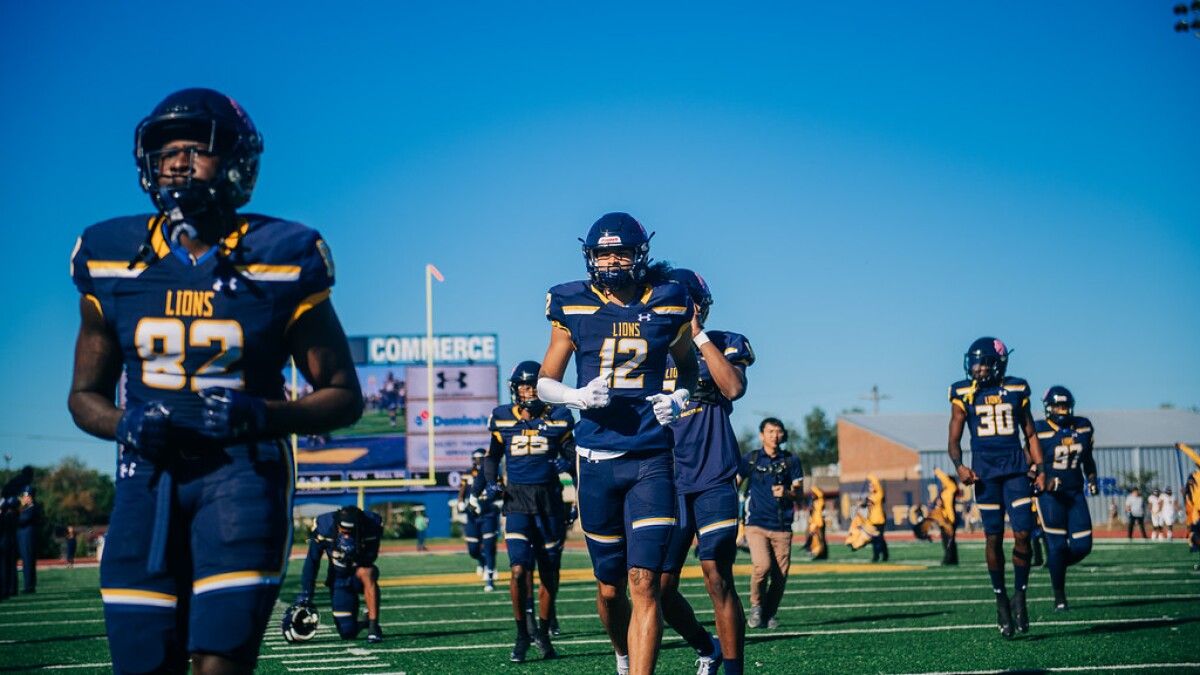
(1166, 509)
(776, 484)
(71, 544)
(1155, 500)
(8, 546)
(30, 520)
(1135, 508)
(1112, 512)
(421, 523)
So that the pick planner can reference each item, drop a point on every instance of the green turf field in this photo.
(1136, 607)
(371, 423)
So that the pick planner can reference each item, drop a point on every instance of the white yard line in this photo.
(1073, 669)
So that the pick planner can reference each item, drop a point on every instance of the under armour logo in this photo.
(128, 470)
(645, 317)
(220, 283)
(461, 380)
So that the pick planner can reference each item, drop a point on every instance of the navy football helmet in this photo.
(224, 129)
(348, 517)
(477, 457)
(617, 231)
(989, 352)
(697, 288)
(1054, 400)
(526, 372)
(300, 623)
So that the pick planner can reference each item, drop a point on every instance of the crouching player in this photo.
(350, 538)
(1063, 508)
(537, 444)
(706, 464)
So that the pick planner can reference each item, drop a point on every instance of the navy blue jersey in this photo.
(345, 552)
(1067, 451)
(706, 447)
(629, 347)
(531, 446)
(218, 321)
(995, 416)
(763, 509)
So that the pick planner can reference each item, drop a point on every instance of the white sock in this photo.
(622, 663)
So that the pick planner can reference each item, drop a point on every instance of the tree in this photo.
(1137, 479)
(815, 443)
(70, 494)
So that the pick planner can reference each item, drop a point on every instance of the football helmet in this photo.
(989, 352)
(697, 288)
(348, 517)
(526, 373)
(300, 623)
(224, 129)
(1058, 397)
(477, 456)
(617, 231)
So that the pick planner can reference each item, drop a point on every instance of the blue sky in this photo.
(867, 187)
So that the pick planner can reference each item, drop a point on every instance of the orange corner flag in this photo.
(434, 271)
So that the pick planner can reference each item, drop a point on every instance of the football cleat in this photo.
(300, 623)
(542, 642)
(519, 650)
(709, 665)
(1004, 616)
(553, 626)
(1020, 613)
(773, 622)
(374, 633)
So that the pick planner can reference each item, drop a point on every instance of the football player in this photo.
(483, 520)
(621, 324)
(349, 537)
(706, 465)
(537, 445)
(1068, 467)
(200, 307)
(996, 409)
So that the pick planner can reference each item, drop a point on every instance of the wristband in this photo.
(700, 339)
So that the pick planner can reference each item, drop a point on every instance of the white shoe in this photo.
(709, 665)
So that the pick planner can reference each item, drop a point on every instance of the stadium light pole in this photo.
(431, 273)
(875, 397)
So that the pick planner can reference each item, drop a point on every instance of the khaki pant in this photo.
(771, 556)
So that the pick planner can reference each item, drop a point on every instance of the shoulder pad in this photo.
(571, 299)
(735, 346)
(671, 299)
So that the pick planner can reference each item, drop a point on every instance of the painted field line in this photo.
(343, 659)
(693, 572)
(589, 600)
(341, 668)
(806, 607)
(837, 580)
(1074, 669)
(778, 634)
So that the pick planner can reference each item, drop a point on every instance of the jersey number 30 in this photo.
(160, 346)
(995, 420)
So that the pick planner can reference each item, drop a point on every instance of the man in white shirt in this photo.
(1135, 508)
(1155, 500)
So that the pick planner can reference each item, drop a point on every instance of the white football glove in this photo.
(592, 395)
(667, 407)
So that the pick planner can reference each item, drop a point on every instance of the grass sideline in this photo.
(1135, 607)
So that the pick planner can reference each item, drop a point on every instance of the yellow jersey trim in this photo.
(307, 304)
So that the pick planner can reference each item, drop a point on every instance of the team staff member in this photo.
(200, 307)
(776, 484)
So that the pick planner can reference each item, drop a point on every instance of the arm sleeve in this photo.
(554, 311)
(738, 351)
(79, 268)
